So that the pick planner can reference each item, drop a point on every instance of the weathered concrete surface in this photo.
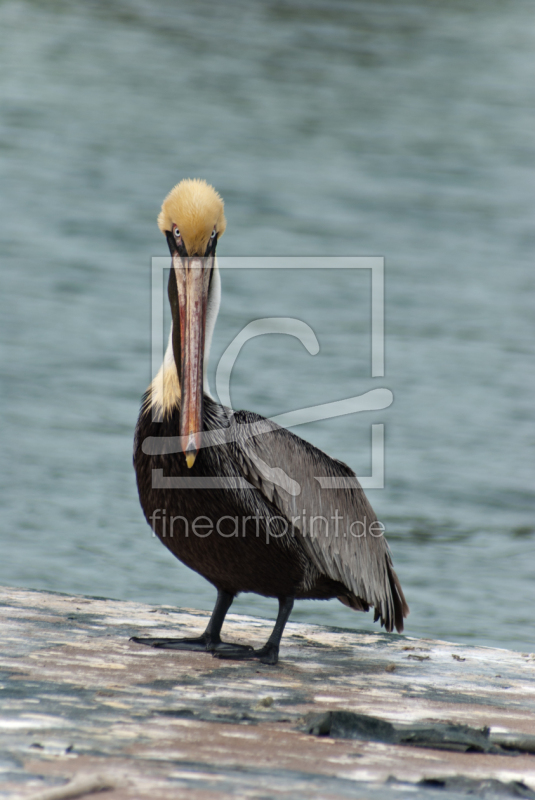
(79, 699)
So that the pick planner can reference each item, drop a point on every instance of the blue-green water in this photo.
(347, 128)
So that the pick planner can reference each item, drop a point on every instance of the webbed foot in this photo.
(268, 654)
(186, 643)
(195, 643)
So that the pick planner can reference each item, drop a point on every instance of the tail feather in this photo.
(354, 602)
(401, 608)
(392, 609)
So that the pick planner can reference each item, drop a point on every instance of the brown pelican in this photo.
(231, 494)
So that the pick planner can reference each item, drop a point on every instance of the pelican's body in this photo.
(232, 495)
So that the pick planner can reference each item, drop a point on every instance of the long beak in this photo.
(193, 280)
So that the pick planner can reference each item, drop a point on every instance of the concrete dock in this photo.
(344, 714)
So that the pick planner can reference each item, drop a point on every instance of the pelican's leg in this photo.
(269, 653)
(209, 640)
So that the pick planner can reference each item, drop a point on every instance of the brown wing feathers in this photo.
(284, 468)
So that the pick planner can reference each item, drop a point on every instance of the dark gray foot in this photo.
(268, 654)
(196, 643)
(189, 643)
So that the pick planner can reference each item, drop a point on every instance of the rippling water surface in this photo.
(346, 128)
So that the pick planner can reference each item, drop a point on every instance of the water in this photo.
(398, 129)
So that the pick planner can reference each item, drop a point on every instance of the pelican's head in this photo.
(192, 219)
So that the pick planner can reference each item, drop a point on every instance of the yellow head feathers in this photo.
(196, 209)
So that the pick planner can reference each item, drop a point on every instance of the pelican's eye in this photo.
(213, 234)
(176, 233)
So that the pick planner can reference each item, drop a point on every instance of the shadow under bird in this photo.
(232, 494)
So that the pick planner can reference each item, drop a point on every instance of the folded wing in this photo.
(338, 528)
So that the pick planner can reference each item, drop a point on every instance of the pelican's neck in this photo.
(164, 392)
